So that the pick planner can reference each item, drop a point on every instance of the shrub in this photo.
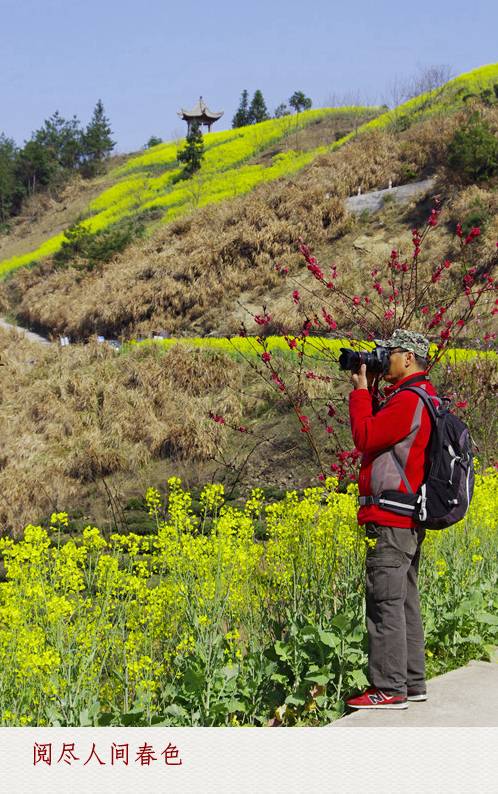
(401, 122)
(93, 248)
(473, 150)
(477, 217)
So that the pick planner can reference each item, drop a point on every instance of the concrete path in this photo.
(401, 195)
(464, 698)
(32, 337)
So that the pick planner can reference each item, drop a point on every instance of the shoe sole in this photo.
(417, 697)
(384, 707)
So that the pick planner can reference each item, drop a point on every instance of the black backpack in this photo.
(444, 496)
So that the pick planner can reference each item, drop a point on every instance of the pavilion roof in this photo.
(200, 111)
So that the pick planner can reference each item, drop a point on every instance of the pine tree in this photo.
(258, 111)
(281, 110)
(299, 101)
(154, 140)
(36, 166)
(64, 139)
(193, 152)
(97, 140)
(7, 176)
(241, 118)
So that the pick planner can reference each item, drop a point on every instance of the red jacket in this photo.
(403, 427)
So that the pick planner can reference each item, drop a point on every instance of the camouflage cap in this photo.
(407, 340)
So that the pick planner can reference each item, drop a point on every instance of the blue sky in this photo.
(146, 59)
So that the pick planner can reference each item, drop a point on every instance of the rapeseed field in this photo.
(224, 615)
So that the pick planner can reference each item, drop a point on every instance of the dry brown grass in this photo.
(74, 415)
(79, 421)
(186, 279)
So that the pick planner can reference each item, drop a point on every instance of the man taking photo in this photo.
(393, 436)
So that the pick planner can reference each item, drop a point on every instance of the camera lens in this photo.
(376, 361)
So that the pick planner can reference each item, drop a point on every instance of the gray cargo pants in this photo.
(395, 632)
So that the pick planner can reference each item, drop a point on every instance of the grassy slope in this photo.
(147, 184)
(72, 417)
(82, 425)
(191, 277)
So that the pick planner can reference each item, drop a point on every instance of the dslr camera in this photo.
(376, 360)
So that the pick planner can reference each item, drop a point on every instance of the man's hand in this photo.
(362, 380)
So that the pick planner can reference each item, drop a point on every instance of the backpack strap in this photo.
(401, 470)
(407, 504)
(404, 504)
(408, 384)
(426, 399)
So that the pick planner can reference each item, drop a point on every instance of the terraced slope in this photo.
(147, 185)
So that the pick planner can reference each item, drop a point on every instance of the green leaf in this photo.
(318, 678)
(341, 621)
(358, 678)
(236, 705)
(357, 634)
(295, 700)
(309, 633)
(487, 617)
(160, 722)
(85, 719)
(334, 713)
(282, 649)
(279, 678)
(175, 710)
(230, 672)
(168, 691)
(132, 719)
(193, 679)
(54, 717)
(105, 719)
(329, 639)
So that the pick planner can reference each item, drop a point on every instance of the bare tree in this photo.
(425, 81)
(194, 189)
(395, 93)
(428, 79)
(351, 98)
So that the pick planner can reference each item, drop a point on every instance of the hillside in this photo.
(146, 185)
(88, 429)
(236, 161)
(186, 269)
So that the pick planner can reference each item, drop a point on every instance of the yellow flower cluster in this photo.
(117, 620)
(312, 347)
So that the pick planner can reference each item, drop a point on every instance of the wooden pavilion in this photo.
(201, 113)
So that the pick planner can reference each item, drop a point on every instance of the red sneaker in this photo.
(374, 698)
(416, 694)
